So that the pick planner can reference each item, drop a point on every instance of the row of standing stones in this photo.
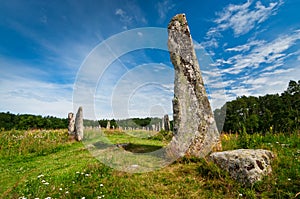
(195, 133)
(75, 127)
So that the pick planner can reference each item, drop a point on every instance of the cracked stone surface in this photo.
(245, 165)
(195, 131)
(71, 126)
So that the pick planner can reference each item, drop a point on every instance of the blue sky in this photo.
(245, 48)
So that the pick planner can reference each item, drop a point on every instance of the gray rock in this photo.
(108, 125)
(71, 126)
(195, 131)
(247, 166)
(166, 123)
(162, 123)
(79, 125)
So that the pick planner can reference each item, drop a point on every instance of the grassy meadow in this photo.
(48, 164)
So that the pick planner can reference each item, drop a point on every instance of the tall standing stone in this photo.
(195, 131)
(71, 126)
(79, 124)
(166, 123)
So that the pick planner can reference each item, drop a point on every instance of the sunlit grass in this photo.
(41, 164)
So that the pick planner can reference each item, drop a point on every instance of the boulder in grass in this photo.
(247, 166)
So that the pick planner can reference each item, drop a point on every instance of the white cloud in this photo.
(265, 83)
(245, 47)
(124, 17)
(272, 54)
(129, 15)
(276, 72)
(243, 18)
(25, 89)
(21, 95)
(163, 8)
(210, 43)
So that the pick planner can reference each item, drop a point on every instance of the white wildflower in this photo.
(87, 174)
(67, 192)
(101, 185)
(60, 189)
(46, 183)
(289, 179)
(43, 181)
(40, 176)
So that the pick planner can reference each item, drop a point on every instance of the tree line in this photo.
(10, 121)
(269, 113)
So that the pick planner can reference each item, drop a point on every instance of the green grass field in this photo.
(46, 163)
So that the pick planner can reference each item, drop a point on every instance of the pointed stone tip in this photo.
(178, 20)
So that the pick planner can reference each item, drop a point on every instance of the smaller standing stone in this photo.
(153, 127)
(71, 126)
(79, 125)
(108, 125)
(163, 123)
(166, 123)
(245, 165)
(158, 127)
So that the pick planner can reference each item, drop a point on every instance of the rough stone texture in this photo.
(166, 123)
(79, 125)
(195, 131)
(71, 126)
(245, 165)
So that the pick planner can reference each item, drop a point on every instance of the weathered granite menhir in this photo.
(71, 126)
(75, 127)
(166, 123)
(195, 131)
(247, 166)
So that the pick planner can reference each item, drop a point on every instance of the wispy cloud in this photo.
(22, 95)
(245, 47)
(124, 17)
(243, 18)
(27, 89)
(163, 8)
(130, 15)
(272, 54)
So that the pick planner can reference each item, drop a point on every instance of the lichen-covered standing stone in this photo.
(195, 131)
(79, 124)
(166, 123)
(71, 126)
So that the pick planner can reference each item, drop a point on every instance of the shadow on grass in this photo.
(102, 145)
(134, 148)
(140, 148)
